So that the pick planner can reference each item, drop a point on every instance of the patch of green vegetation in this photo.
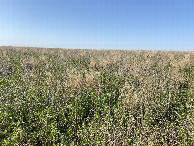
(87, 97)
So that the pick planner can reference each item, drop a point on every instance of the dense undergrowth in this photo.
(90, 97)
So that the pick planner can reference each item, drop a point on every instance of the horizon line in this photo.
(97, 49)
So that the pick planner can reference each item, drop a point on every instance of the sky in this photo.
(98, 24)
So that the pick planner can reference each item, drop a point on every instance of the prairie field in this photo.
(96, 97)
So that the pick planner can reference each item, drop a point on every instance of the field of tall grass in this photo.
(96, 97)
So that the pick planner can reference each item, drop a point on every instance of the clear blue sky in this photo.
(98, 24)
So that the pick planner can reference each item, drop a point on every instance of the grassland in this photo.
(96, 97)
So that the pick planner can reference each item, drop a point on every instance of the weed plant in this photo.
(95, 97)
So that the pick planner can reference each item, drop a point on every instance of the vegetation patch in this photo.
(95, 97)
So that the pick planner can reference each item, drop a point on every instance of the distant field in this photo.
(96, 97)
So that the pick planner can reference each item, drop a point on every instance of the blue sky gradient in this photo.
(98, 24)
